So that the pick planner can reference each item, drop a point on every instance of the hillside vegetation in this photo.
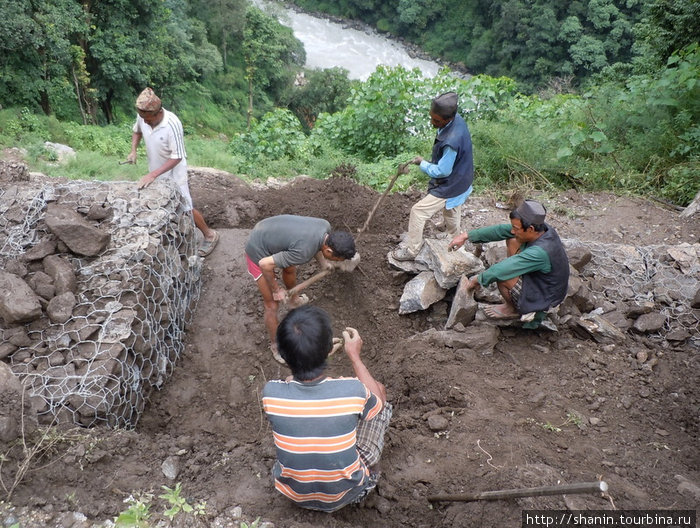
(71, 71)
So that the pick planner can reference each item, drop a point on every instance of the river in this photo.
(330, 44)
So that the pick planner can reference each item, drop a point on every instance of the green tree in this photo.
(319, 91)
(134, 44)
(225, 20)
(36, 54)
(667, 26)
(272, 56)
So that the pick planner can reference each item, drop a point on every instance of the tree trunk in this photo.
(223, 49)
(78, 94)
(250, 99)
(106, 104)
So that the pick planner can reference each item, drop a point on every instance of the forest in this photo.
(598, 94)
(533, 41)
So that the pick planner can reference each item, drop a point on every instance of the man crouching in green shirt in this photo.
(535, 276)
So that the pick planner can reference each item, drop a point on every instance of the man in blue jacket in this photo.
(451, 172)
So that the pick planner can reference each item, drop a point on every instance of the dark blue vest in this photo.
(541, 290)
(456, 135)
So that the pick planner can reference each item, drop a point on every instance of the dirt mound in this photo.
(545, 407)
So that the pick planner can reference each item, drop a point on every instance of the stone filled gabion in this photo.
(99, 281)
(663, 277)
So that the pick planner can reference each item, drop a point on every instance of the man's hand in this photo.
(458, 241)
(147, 180)
(417, 160)
(131, 158)
(473, 283)
(353, 343)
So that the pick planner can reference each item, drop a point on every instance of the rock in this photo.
(171, 467)
(11, 409)
(99, 212)
(61, 271)
(463, 309)
(411, 266)
(618, 319)
(696, 299)
(73, 230)
(42, 285)
(599, 329)
(688, 488)
(636, 309)
(46, 246)
(18, 302)
(62, 152)
(649, 323)
(538, 398)
(60, 308)
(579, 294)
(7, 349)
(480, 338)
(488, 294)
(642, 356)
(438, 422)
(686, 256)
(495, 252)
(678, 335)
(420, 292)
(449, 266)
(16, 267)
(17, 336)
(12, 171)
(579, 256)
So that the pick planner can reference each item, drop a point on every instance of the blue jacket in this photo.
(455, 135)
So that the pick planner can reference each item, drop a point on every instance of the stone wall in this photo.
(97, 284)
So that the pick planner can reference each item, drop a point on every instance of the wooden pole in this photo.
(561, 489)
(402, 169)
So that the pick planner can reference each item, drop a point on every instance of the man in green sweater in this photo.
(535, 275)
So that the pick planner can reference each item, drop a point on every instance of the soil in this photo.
(544, 408)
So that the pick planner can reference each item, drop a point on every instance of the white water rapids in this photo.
(330, 44)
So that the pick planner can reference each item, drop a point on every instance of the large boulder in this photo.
(18, 302)
(420, 292)
(76, 232)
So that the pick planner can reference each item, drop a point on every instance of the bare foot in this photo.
(501, 311)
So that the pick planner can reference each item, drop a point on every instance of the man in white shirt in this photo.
(162, 134)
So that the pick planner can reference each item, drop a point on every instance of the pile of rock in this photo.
(97, 283)
(613, 289)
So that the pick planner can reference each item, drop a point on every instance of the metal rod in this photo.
(561, 489)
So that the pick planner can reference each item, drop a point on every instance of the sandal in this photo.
(208, 245)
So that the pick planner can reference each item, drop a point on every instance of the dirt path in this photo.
(543, 408)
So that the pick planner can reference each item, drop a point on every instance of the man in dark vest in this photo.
(451, 172)
(535, 276)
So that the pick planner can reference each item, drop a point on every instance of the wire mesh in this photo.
(668, 276)
(133, 301)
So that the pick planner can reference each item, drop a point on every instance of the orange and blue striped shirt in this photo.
(314, 427)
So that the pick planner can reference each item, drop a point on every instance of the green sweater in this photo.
(527, 260)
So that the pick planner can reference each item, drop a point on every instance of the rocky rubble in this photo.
(614, 289)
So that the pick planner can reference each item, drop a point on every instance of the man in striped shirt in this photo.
(163, 136)
(329, 432)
